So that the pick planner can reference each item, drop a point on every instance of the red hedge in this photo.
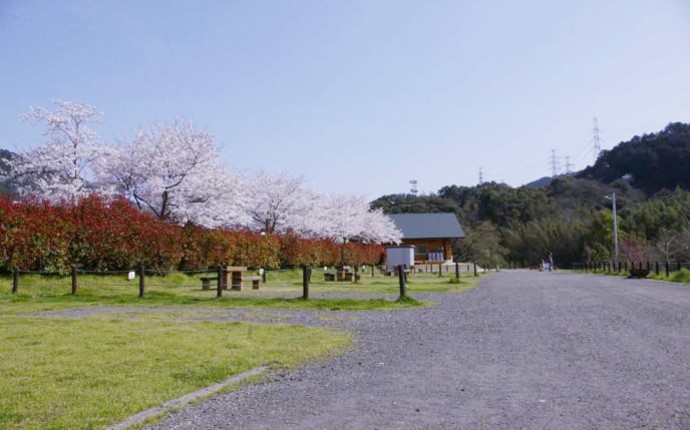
(100, 234)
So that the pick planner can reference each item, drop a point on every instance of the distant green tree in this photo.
(483, 246)
(409, 203)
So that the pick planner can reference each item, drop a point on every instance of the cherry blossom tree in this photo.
(278, 203)
(174, 171)
(380, 228)
(62, 167)
(350, 217)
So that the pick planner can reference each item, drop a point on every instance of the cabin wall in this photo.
(425, 246)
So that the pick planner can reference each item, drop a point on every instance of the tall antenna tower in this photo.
(554, 163)
(413, 187)
(596, 140)
(481, 176)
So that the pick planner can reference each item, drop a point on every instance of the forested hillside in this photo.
(571, 217)
(652, 162)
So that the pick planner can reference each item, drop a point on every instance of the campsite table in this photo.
(234, 275)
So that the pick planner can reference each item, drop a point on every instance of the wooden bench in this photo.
(255, 280)
(341, 276)
(206, 282)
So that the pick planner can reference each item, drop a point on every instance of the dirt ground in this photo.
(524, 350)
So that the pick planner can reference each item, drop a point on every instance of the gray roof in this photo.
(428, 225)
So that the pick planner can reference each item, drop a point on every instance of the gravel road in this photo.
(524, 350)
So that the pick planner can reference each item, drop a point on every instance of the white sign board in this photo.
(399, 255)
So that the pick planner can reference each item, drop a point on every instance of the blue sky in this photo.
(358, 96)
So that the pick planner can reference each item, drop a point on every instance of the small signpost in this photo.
(402, 279)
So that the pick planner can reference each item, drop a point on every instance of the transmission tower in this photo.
(554, 163)
(596, 140)
(568, 165)
(481, 176)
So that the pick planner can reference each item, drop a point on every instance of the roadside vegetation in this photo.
(681, 276)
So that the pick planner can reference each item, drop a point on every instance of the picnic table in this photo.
(233, 277)
(341, 274)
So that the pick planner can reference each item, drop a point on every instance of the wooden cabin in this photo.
(430, 233)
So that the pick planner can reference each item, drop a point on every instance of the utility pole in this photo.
(615, 226)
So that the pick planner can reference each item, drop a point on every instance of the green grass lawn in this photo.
(95, 371)
(90, 372)
(282, 290)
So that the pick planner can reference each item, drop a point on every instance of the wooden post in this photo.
(15, 280)
(74, 280)
(457, 270)
(305, 281)
(142, 281)
(219, 288)
(403, 282)
(656, 267)
(475, 268)
(355, 278)
(263, 276)
(440, 270)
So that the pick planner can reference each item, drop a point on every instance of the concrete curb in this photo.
(186, 399)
